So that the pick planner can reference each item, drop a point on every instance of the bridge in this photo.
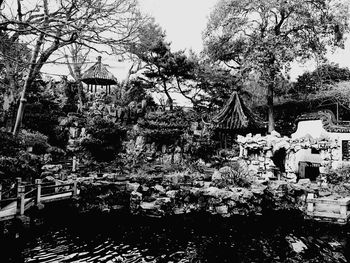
(22, 196)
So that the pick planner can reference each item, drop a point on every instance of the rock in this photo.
(324, 193)
(197, 183)
(140, 142)
(276, 134)
(206, 184)
(160, 189)
(177, 158)
(174, 178)
(305, 181)
(171, 193)
(216, 176)
(291, 177)
(296, 244)
(45, 174)
(131, 187)
(222, 210)
(144, 188)
(148, 205)
(52, 167)
(225, 170)
(217, 193)
(162, 200)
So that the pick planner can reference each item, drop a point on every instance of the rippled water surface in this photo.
(193, 238)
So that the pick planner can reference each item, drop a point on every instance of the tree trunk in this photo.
(28, 81)
(270, 114)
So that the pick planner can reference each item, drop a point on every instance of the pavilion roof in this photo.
(98, 74)
(235, 115)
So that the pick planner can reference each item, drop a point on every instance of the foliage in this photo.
(164, 128)
(202, 149)
(137, 91)
(9, 146)
(327, 74)
(48, 26)
(71, 94)
(34, 139)
(164, 71)
(14, 161)
(105, 139)
(264, 37)
(43, 111)
(340, 175)
(216, 84)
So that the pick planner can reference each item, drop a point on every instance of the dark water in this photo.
(191, 238)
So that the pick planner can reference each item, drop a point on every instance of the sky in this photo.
(184, 22)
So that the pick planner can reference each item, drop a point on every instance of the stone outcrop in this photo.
(260, 154)
(181, 193)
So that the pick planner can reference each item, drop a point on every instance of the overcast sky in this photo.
(184, 22)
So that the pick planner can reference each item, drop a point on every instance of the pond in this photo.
(120, 237)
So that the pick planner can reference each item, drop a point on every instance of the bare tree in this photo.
(102, 25)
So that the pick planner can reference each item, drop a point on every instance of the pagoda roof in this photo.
(98, 74)
(235, 115)
(329, 122)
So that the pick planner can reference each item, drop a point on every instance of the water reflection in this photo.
(193, 238)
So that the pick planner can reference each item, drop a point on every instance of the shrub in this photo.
(34, 139)
(341, 175)
(104, 140)
(9, 145)
(164, 128)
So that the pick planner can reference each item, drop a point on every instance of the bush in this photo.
(203, 150)
(34, 139)
(9, 145)
(341, 175)
(164, 128)
(104, 140)
(14, 160)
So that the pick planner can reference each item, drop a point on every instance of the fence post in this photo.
(38, 190)
(0, 191)
(56, 186)
(18, 184)
(75, 187)
(20, 200)
(74, 166)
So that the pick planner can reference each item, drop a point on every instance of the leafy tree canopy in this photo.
(266, 36)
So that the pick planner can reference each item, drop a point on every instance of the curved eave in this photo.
(99, 81)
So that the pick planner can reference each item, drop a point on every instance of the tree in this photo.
(108, 26)
(215, 83)
(166, 71)
(264, 37)
(78, 55)
(155, 53)
(324, 75)
(14, 58)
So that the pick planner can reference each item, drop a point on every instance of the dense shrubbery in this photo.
(34, 139)
(104, 140)
(341, 175)
(203, 150)
(164, 128)
(14, 160)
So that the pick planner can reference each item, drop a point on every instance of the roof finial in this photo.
(99, 59)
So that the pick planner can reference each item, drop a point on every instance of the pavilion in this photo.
(98, 75)
(234, 118)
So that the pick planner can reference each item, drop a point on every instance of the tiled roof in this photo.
(98, 74)
(329, 122)
(235, 115)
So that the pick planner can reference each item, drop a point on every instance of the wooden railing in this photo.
(23, 196)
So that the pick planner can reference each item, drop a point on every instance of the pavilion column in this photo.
(95, 88)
